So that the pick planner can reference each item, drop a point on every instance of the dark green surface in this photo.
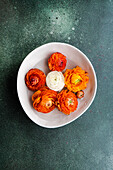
(85, 144)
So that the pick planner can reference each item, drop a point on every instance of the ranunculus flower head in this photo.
(35, 79)
(57, 62)
(66, 102)
(76, 79)
(44, 100)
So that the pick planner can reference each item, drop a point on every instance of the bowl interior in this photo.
(38, 58)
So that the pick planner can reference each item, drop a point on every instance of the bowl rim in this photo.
(18, 93)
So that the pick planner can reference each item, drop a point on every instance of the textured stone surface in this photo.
(85, 144)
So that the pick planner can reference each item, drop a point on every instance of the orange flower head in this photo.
(67, 102)
(38, 92)
(44, 100)
(57, 62)
(76, 79)
(35, 79)
(80, 94)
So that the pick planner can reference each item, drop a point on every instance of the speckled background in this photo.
(85, 144)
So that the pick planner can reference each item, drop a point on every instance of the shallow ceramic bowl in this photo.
(38, 59)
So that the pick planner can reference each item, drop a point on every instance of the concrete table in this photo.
(85, 144)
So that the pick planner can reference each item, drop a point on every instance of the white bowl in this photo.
(38, 59)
